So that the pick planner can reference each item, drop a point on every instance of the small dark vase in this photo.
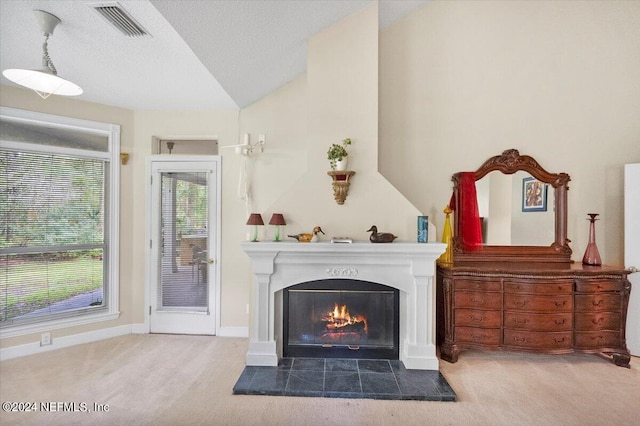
(591, 254)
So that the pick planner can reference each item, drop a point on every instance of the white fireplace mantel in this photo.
(409, 267)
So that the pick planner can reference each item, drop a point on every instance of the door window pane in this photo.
(184, 222)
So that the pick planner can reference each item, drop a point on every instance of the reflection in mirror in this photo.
(504, 223)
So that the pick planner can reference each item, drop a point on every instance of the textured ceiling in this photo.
(200, 55)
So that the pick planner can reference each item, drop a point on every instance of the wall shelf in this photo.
(340, 184)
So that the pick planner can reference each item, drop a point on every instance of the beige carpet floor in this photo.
(188, 380)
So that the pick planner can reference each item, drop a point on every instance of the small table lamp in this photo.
(255, 219)
(277, 219)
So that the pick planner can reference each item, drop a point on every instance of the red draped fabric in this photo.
(469, 226)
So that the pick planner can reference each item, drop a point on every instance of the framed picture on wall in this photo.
(534, 195)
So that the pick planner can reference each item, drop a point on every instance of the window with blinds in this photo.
(56, 258)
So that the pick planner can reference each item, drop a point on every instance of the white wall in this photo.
(558, 80)
(338, 98)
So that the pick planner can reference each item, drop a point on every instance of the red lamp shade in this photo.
(255, 219)
(277, 219)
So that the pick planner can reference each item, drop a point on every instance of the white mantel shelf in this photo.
(407, 266)
(328, 247)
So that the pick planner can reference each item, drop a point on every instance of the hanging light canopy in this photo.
(44, 81)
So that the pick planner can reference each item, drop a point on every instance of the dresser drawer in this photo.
(597, 339)
(597, 302)
(595, 286)
(480, 285)
(478, 318)
(481, 300)
(539, 322)
(539, 288)
(537, 339)
(538, 303)
(597, 321)
(485, 336)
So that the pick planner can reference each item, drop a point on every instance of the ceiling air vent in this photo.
(119, 18)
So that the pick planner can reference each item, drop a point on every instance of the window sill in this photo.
(22, 330)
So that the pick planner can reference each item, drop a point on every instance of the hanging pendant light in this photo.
(44, 81)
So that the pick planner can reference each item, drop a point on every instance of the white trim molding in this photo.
(233, 332)
(65, 341)
(97, 335)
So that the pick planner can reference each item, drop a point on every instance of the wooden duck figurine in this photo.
(308, 238)
(383, 237)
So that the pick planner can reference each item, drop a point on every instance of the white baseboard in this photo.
(94, 336)
(141, 328)
(233, 332)
(66, 341)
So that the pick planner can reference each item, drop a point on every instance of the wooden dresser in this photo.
(535, 307)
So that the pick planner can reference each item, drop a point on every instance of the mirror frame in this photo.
(509, 162)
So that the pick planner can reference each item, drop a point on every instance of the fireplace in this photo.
(406, 267)
(341, 319)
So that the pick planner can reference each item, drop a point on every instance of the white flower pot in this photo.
(342, 165)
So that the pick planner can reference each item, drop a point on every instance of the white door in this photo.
(632, 251)
(184, 244)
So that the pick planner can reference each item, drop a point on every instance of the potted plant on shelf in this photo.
(337, 155)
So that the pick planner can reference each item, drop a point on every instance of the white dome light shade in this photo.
(43, 82)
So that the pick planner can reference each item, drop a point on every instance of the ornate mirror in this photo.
(531, 200)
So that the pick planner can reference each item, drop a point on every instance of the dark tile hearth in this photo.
(344, 378)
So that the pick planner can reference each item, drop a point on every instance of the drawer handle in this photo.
(564, 302)
(478, 301)
(598, 303)
(478, 336)
(523, 321)
(555, 339)
(597, 321)
(520, 303)
(560, 322)
(599, 287)
(520, 339)
(597, 338)
(474, 318)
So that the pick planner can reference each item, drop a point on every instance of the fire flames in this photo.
(340, 321)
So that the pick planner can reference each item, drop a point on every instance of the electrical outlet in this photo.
(45, 339)
(247, 309)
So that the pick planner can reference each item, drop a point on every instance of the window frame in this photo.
(112, 210)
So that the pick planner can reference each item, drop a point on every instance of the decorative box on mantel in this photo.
(407, 267)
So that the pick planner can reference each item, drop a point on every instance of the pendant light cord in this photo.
(46, 59)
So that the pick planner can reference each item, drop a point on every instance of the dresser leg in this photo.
(622, 360)
(449, 353)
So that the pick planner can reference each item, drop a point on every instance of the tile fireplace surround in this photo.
(409, 267)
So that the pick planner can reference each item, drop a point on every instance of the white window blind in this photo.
(52, 215)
